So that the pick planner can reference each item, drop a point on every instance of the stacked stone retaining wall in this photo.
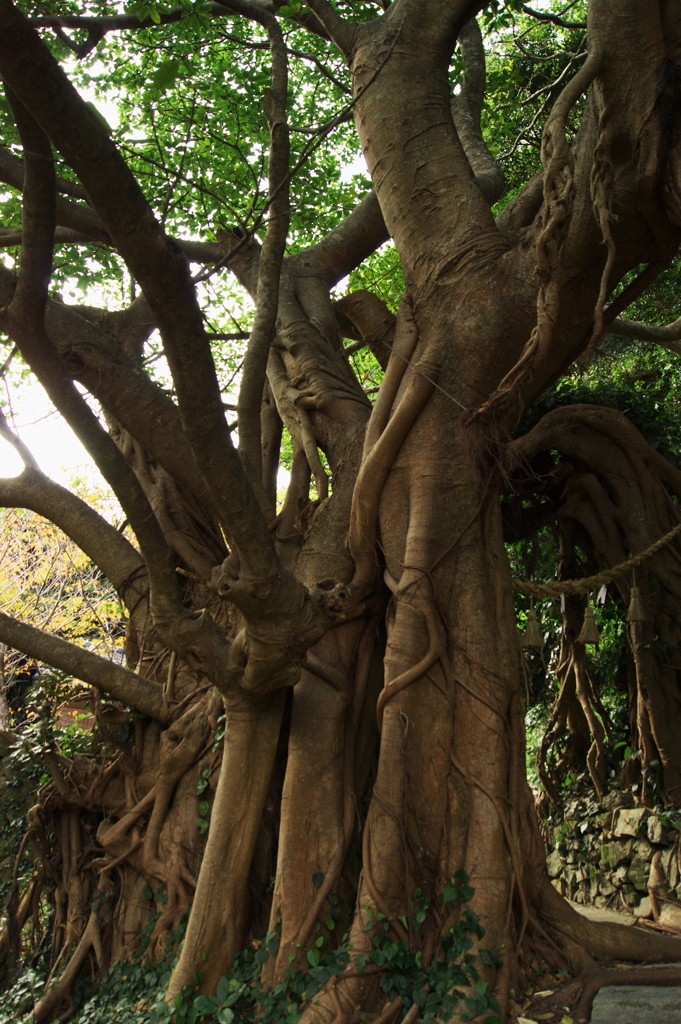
(600, 854)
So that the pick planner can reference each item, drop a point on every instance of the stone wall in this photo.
(600, 854)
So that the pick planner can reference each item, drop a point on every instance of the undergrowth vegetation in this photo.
(447, 984)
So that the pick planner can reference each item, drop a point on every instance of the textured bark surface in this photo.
(362, 647)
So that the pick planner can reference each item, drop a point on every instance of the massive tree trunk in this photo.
(362, 648)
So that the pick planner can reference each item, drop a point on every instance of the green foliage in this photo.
(641, 382)
(18, 999)
(20, 776)
(450, 984)
(381, 274)
(528, 63)
(123, 996)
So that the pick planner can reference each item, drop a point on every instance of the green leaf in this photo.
(489, 958)
(165, 75)
(451, 893)
(235, 996)
(223, 988)
(205, 1004)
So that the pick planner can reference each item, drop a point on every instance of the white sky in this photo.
(55, 447)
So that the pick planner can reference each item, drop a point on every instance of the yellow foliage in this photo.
(48, 582)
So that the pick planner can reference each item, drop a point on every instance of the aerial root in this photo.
(59, 992)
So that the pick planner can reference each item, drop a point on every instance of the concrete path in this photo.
(632, 1004)
(637, 1004)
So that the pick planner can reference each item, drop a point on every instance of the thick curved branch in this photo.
(49, 369)
(120, 683)
(340, 31)
(141, 407)
(108, 549)
(348, 244)
(343, 249)
(466, 111)
(668, 336)
(363, 316)
(408, 136)
(519, 213)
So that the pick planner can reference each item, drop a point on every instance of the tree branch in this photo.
(466, 111)
(20, 448)
(35, 268)
(10, 239)
(142, 408)
(271, 256)
(120, 683)
(101, 542)
(554, 19)
(399, 124)
(159, 267)
(252, 578)
(668, 336)
(24, 321)
(98, 27)
(350, 242)
(341, 32)
(83, 219)
(12, 173)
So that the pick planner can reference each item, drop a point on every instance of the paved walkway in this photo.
(637, 1004)
(632, 1004)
